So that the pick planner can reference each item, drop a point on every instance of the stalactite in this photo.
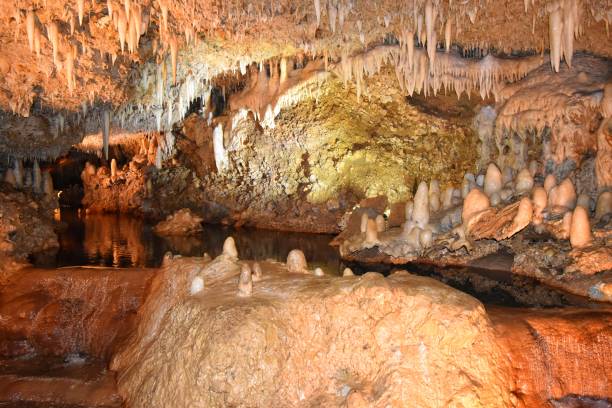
(332, 12)
(109, 7)
(71, 22)
(105, 131)
(174, 57)
(48, 188)
(555, 31)
(81, 10)
(30, 25)
(447, 35)
(317, 5)
(37, 178)
(18, 173)
(53, 35)
(70, 77)
(122, 27)
(37, 36)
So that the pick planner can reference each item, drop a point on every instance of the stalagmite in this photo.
(420, 213)
(413, 238)
(296, 262)
(523, 182)
(549, 182)
(245, 282)
(434, 196)
(604, 205)
(475, 202)
(113, 167)
(81, 10)
(371, 234)
(447, 198)
(28, 178)
(533, 167)
(48, 188)
(563, 195)
(408, 210)
(257, 272)
(105, 132)
(37, 178)
(30, 26)
(566, 226)
(524, 214)
(580, 232)
(540, 200)
(364, 223)
(380, 223)
(197, 285)
(493, 181)
(229, 248)
(426, 238)
(347, 272)
(318, 272)
(555, 24)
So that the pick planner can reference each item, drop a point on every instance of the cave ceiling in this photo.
(65, 63)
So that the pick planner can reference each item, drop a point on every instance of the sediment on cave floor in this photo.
(302, 204)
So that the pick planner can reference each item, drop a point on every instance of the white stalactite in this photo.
(555, 32)
(317, 5)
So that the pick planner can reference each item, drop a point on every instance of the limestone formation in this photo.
(371, 234)
(493, 181)
(540, 201)
(347, 272)
(364, 222)
(296, 261)
(475, 202)
(197, 285)
(229, 248)
(525, 212)
(245, 281)
(434, 196)
(380, 223)
(580, 232)
(48, 184)
(420, 213)
(549, 182)
(524, 182)
(318, 272)
(562, 195)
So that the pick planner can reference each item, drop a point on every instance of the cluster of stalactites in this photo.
(63, 51)
(564, 23)
(416, 73)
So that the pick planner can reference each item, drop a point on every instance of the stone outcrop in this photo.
(295, 345)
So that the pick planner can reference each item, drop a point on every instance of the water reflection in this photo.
(124, 241)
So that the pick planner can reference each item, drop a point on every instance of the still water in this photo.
(122, 241)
